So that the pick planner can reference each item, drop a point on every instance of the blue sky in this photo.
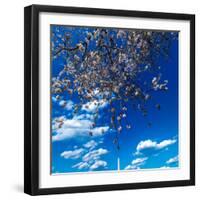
(151, 143)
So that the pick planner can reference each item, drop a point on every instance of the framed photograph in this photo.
(109, 100)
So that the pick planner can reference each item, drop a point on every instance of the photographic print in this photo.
(114, 99)
(109, 99)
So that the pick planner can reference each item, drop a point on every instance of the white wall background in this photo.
(11, 98)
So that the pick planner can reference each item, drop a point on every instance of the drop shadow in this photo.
(18, 188)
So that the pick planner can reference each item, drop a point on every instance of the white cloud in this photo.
(81, 165)
(97, 164)
(94, 155)
(98, 131)
(62, 103)
(54, 99)
(136, 163)
(91, 159)
(153, 145)
(150, 148)
(93, 105)
(69, 105)
(164, 167)
(172, 160)
(83, 116)
(165, 143)
(75, 128)
(91, 144)
(72, 154)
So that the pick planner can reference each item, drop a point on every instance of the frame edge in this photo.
(192, 99)
(27, 100)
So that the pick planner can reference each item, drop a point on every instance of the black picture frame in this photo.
(31, 99)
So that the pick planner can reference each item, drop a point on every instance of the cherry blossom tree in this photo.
(106, 65)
